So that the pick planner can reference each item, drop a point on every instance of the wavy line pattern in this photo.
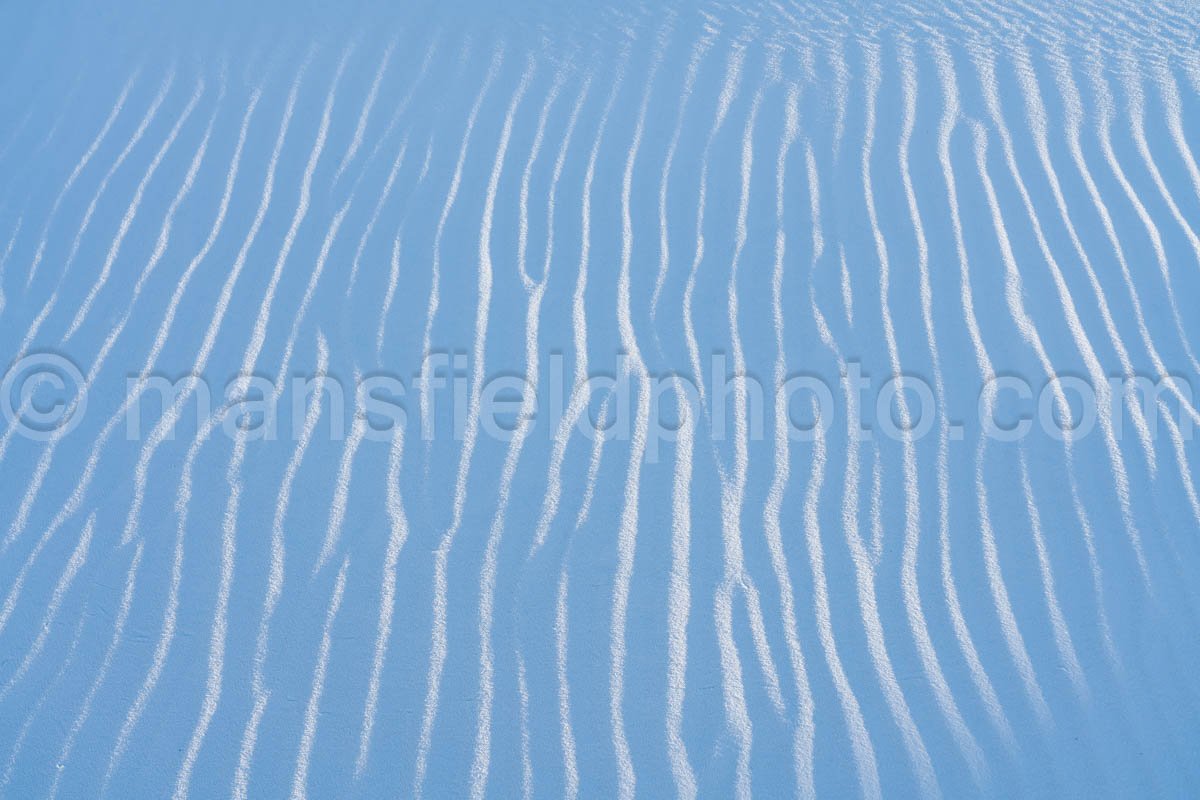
(640, 578)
